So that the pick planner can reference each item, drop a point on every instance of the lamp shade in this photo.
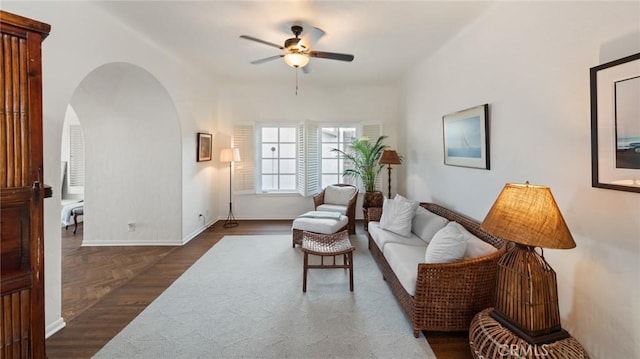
(230, 155)
(390, 157)
(296, 59)
(528, 214)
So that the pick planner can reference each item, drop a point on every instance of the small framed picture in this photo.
(204, 146)
(615, 124)
(466, 137)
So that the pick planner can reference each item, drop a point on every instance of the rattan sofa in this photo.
(447, 296)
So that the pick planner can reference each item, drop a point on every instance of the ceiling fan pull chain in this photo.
(296, 81)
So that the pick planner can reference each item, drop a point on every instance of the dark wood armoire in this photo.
(22, 327)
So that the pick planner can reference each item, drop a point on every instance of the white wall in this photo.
(132, 151)
(530, 62)
(83, 38)
(277, 103)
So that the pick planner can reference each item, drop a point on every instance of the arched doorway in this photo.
(132, 174)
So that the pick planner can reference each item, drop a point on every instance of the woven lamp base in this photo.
(527, 296)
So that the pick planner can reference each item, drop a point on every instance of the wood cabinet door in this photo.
(21, 189)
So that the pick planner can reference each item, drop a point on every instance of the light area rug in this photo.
(244, 299)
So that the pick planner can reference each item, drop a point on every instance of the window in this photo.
(331, 163)
(278, 158)
(293, 158)
(76, 160)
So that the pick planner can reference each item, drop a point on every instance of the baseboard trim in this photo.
(54, 327)
(195, 233)
(128, 243)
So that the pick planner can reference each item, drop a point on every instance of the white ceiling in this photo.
(386, 37)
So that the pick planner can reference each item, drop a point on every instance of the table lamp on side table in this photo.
(527, 292)
(390, 157)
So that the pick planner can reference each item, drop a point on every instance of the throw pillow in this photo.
(476, 247)
(397, 216)
(338, 194)
(426, 224)
(401, 198)
(448, 245)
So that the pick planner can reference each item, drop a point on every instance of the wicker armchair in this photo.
(448, 295)
(348, 209)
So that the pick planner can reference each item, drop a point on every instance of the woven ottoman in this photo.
(327, 245)
(318, 222)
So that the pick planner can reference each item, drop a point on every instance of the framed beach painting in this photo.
(204, 146)
(615, 124)
(466, 137)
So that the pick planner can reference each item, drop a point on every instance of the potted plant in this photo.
(364, 156)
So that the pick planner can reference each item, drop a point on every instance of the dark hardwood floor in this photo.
(104, 288)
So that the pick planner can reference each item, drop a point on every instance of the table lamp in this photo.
(527, 291)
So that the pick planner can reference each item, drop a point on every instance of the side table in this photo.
(489, 339)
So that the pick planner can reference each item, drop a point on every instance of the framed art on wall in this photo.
(204, 146)
(615, 124)
(466, 137)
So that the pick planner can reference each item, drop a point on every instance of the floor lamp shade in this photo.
(230, 155)
(526, 293)
(390, 157)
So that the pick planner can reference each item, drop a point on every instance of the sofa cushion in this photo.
(381, 237)
(338, 194)
(397, 215)
(426, 224)
(448, 245)
(320, 224)
(404, 261)
(332, 208)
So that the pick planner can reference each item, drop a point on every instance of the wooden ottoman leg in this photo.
(304, 272)
(350, 255)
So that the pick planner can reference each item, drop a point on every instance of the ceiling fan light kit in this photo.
(296, 60)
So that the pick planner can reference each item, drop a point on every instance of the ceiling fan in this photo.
(297, 51)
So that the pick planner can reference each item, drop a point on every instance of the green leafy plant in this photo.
(364, 156)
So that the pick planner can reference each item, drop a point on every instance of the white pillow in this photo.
(448, 245)
(397, 215)
(476, 247)
(425, 224)
(338, 194)
(399, 197)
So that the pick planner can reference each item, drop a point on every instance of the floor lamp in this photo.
(230, 155)
(390, 157)
(527, 293)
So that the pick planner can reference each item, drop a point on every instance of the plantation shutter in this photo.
(76, 156)
(308, 165)
(244, 174)
(372, 131)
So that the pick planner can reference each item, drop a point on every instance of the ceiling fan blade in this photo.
(261, 41)
(266, 59)
(331, 56)
(311, 37)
